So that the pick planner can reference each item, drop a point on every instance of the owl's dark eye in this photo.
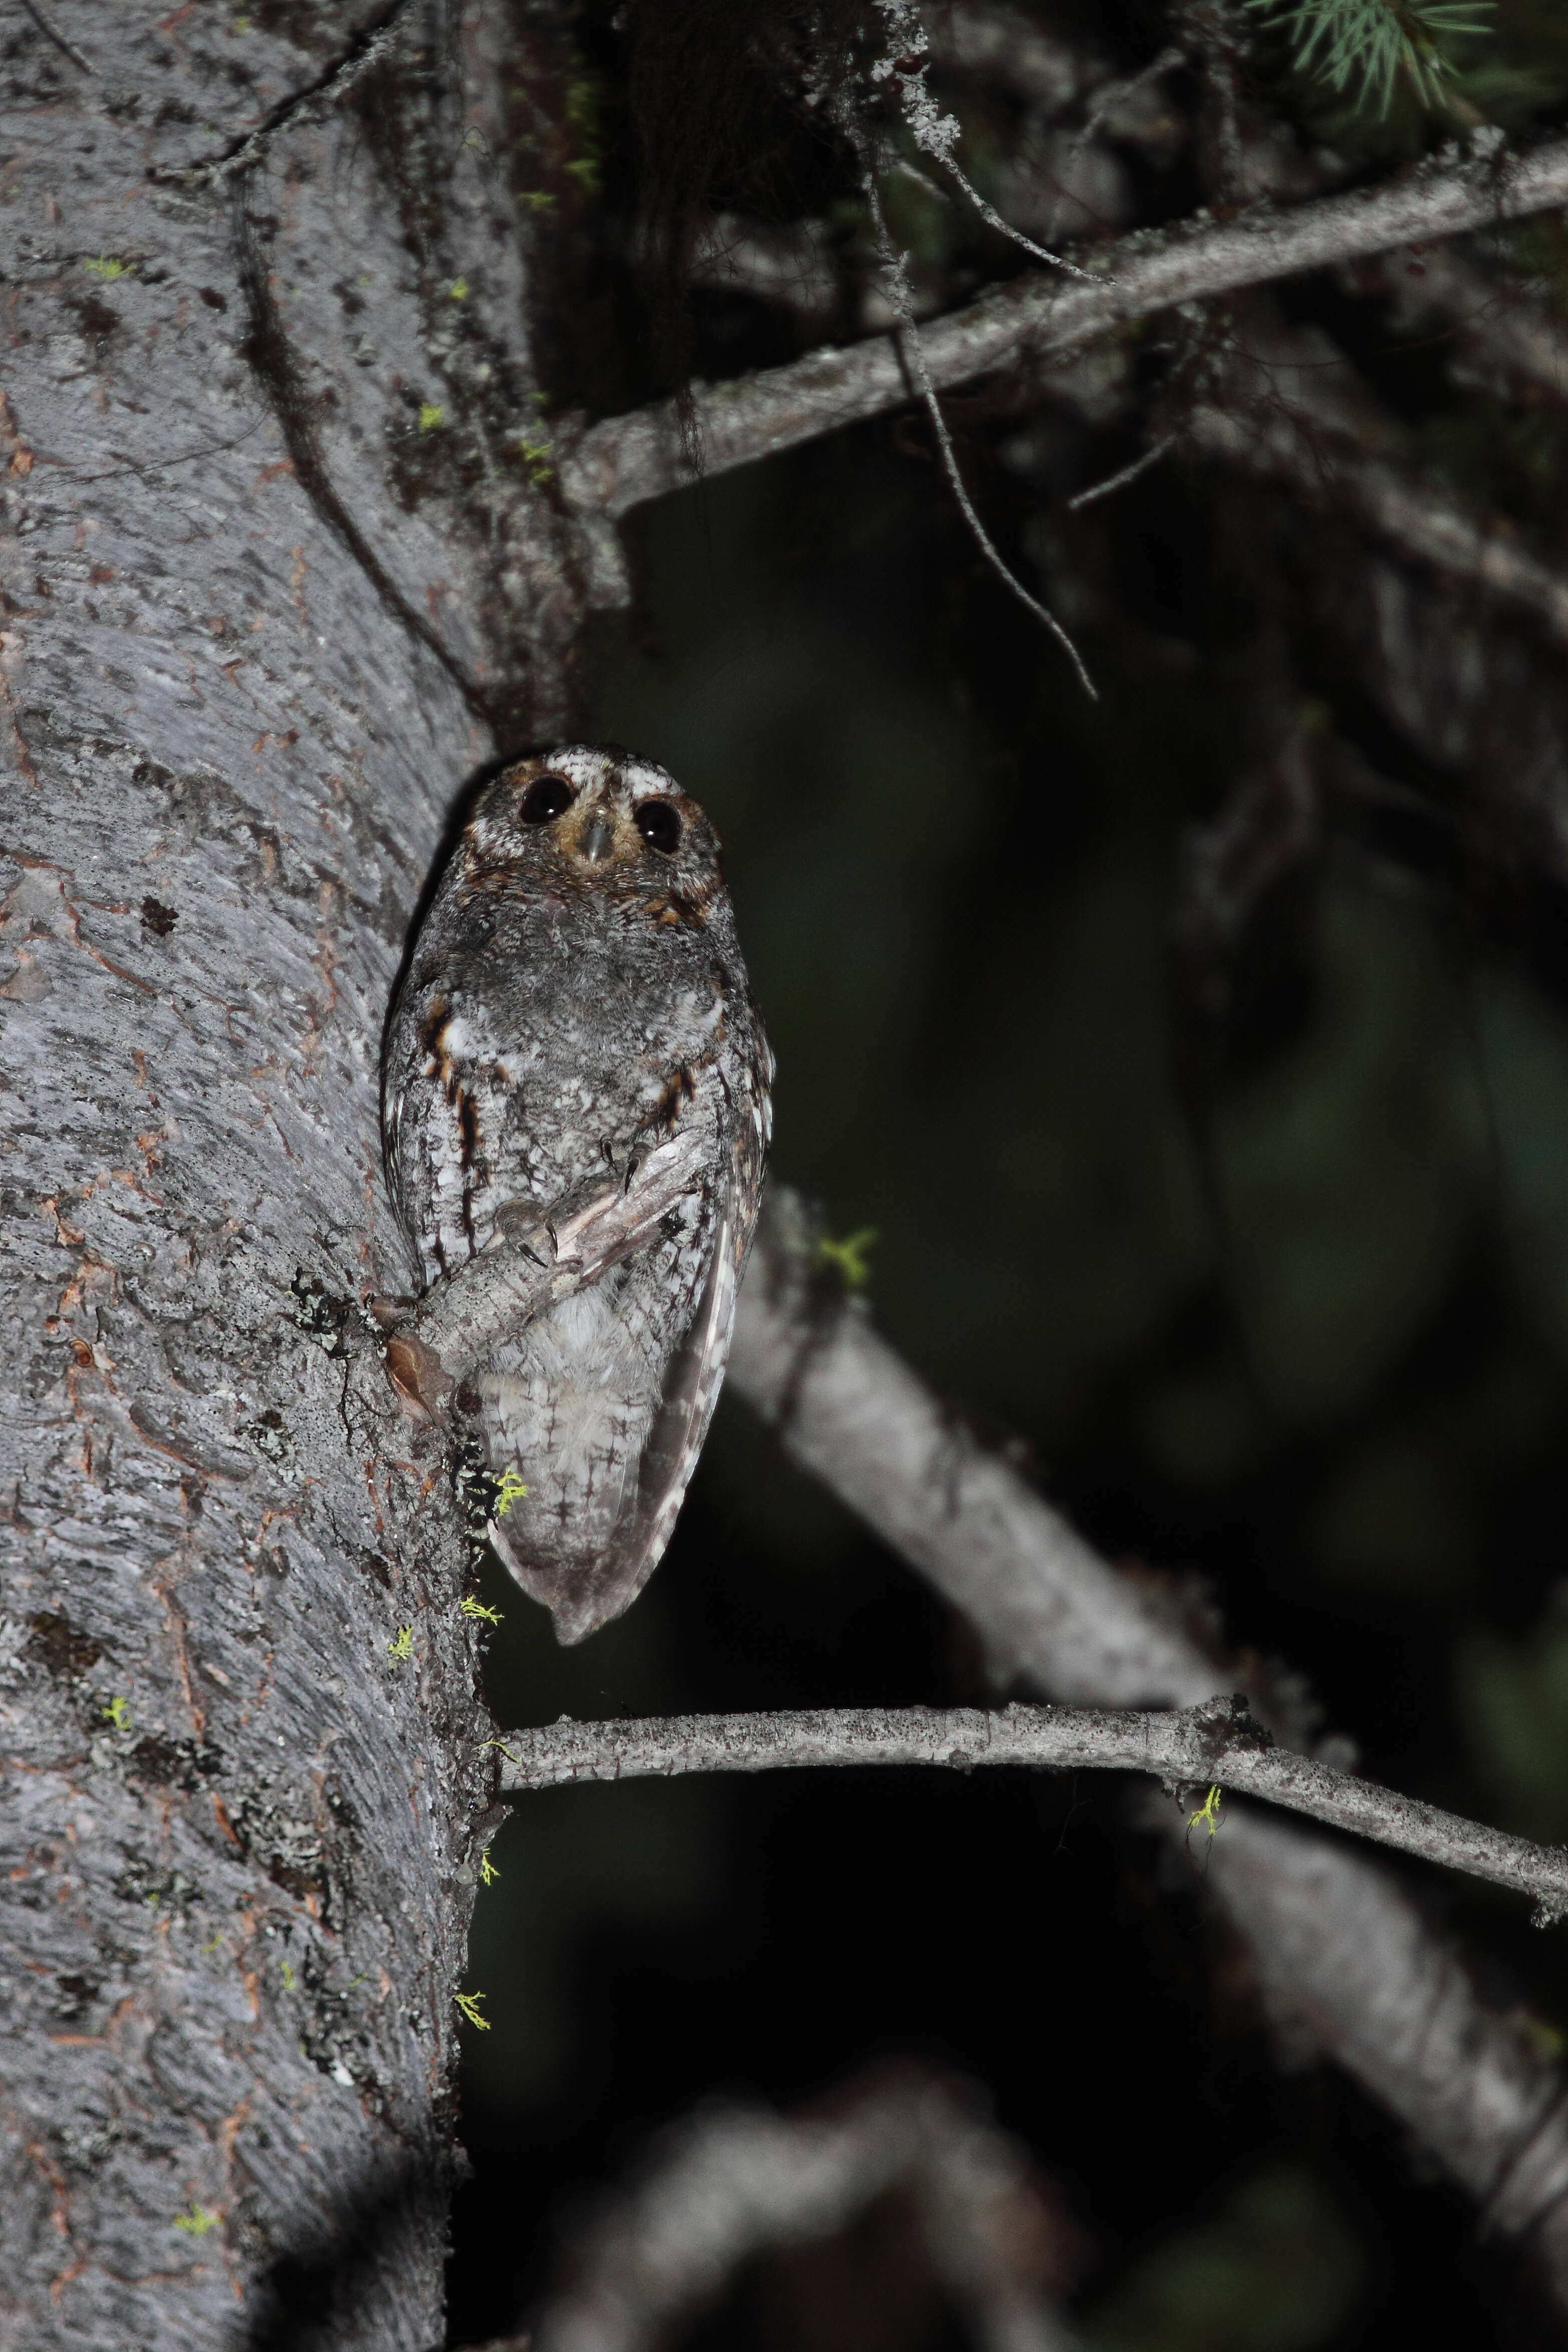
(658, 825)
(547, 796)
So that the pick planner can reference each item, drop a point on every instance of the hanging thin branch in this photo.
(903, 69)
(1125, 475)
(909, 345)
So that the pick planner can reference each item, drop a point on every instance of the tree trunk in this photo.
(269, 570)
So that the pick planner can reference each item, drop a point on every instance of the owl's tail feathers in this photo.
(581, 1591)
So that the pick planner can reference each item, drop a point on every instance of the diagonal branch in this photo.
(1218, 1745)
(625, 460)
(896, 277)
(1345, 1963)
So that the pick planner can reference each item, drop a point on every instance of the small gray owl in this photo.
(576, 993)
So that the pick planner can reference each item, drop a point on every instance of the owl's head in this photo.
(595, 818)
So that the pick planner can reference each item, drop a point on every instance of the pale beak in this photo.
(598, 839)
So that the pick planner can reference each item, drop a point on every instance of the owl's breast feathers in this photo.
(547, 1033)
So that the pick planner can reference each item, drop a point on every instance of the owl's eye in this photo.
(547, 796)
(658, 825)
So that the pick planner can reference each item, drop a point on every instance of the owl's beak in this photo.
(597, 840)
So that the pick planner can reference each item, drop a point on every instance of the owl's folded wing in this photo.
(581, 1602)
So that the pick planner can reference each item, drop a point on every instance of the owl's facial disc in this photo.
(622, 820)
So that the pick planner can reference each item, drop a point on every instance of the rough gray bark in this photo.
(256, 639)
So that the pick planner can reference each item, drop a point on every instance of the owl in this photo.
(575, 995)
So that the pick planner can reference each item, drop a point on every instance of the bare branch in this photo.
(625, 460)
(1346, 1964)
(903, 66)
(1193, 1747)
(737, 2180)
(1124, 475)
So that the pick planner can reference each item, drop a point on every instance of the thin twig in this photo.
(625, 460)
(1191, 1747)
(1107, 98)
(910, 344)
(52, 32)
(1120, 480)
(936, 134)
(994, 219)
(369, 46)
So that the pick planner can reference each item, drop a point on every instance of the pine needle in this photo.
(1364, 47)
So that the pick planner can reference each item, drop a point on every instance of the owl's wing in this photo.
(581, 1602)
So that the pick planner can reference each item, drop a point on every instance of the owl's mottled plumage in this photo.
(574, 995)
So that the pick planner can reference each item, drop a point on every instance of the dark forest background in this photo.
(1244, 1208)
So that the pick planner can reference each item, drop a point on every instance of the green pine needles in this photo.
(1365, 47)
